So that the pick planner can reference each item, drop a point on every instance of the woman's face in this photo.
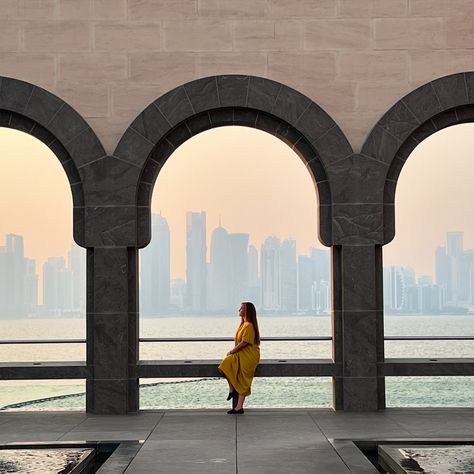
(242, 311)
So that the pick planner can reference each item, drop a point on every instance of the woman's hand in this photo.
(229, 353)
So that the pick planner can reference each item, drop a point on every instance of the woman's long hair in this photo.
(251, 314)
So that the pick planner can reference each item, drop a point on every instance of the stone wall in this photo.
(355, 58)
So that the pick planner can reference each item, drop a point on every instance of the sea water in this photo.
(266, 392)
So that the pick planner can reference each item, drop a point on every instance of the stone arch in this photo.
(232, 100)
(33, 110)
(436, 105)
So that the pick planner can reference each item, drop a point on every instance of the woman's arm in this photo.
(238, 347)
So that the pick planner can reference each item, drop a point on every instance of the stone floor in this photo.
(260, 441)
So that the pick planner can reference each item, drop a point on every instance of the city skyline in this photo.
(251, 180)
(275, 277)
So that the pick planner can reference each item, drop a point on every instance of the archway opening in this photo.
(235, 218)
(429, 268)
(42, 271)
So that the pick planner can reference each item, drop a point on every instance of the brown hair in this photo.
(251, 315)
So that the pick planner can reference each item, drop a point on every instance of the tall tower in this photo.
(196, 270)
(57, 286)
(288, 275)
(220, 267)
(14, 278)
(305, 282)
(155, 269)
(255, 292)
(239, 284)
(271, 283)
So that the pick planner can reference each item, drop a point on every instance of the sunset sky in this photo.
(255, 184)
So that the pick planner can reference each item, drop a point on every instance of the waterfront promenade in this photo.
(260, 441)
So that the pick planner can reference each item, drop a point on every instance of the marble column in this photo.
(358, 327)
(112, 330)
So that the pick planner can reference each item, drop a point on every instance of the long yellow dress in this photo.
(239, 368)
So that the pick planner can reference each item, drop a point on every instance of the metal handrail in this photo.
(227, 339)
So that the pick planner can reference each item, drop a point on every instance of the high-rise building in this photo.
(57, 286)
(255, 293)
(321, 265)
(394, 289)
(220, 267)
(270, 268)
(177, 294)
(31, 286)
(12, 277)
(239, 277)
(155, 269)
(288, 276)
(305, 283)
(196, 268)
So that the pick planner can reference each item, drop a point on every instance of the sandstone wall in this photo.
(110, 58)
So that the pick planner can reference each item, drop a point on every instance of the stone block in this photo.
(386, 67)
(422, 103)
(109, 337)
(400, 120)
(233, 90)
(77, 194)
(75, 9)
(9, 37)
(325, 225)
(357, 224)
(409, 33)
(302, 9)
(42, 106)
(231, 8)
(107, 397)
(332, 146)
(167, 70)
(358, 276)
(255, 35)
(376, 97)
(109, 9)
(198, 35)
(430, 64)
(85, 147)
(14, 94)
(162, 151)
(201, 123)
(360, 343)
(149, 175)
(175, 106)
(161, 9)
(360, 394)
(263, 94)
(451, 91)
(110, 226)
(298, 69)
(210, 64)
(9, 9)
(97, 68)
(337, 34)
(372, 8)
(133, 147)
(203, 94)
(129, 100)
(54, 36)
(459, 32)
(357, 178)
(333, 96)
(67, 124)
(109, 181)
(356, 126)
(89, 101)
(38, 69)
(381, 145)
(37, 9)
(441, 8)
(143, 225)
(127, 37)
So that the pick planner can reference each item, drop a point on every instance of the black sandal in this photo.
(236, 412)
(231, 395)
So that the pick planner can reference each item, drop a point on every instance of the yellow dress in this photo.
(239, 368)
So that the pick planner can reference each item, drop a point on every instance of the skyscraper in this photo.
(270, 268)
(12, 277)
(239, 282)
(255, 294)
(220, 266)
(288, 276)
(57, 286)
(155, 269)
(394, 289)
(196, 271)
(77, 267)
(305, 282)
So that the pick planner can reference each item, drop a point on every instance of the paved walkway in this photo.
(261, 441)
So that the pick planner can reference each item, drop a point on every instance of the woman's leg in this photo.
(240, 403)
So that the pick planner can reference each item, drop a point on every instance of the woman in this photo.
(241, 362)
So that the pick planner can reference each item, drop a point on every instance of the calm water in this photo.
(276, 392)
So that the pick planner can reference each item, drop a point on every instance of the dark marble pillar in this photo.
(358, 327)
(112, 330)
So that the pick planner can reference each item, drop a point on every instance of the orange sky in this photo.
(255, 183)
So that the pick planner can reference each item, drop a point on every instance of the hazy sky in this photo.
(254, 183)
